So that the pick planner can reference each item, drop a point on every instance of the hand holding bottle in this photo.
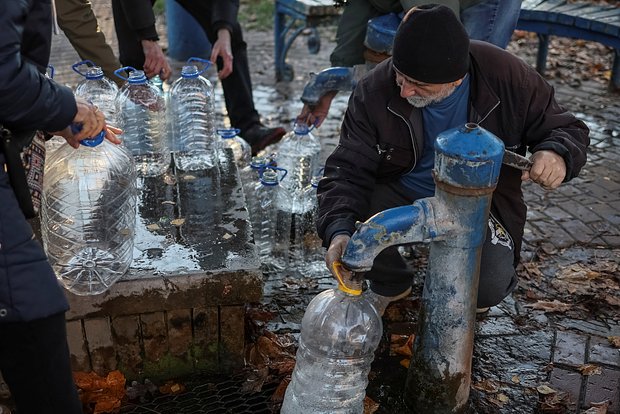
(335, 252)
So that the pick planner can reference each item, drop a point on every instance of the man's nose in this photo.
(407, 90)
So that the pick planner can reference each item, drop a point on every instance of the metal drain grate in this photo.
(209, 395)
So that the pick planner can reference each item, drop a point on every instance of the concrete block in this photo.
(567, 381)
(570, 348)
(80, 360)
(232, 338)
(126, 336)
(206, 338)
(100, 345)
(604, 387)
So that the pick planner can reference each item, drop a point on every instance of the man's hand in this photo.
(92, 121)
(155, 62)
(316, 114)
(548, 169)
(336, 250)
(221, 48)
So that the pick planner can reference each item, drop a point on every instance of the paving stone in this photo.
(580, 211)
(604, 387)
(609, 212)
(556, 213)
(602, 352)
(492, 325)
(570, 348)
(578, 230)
(567, 381)
(554, 233)
(100, 345)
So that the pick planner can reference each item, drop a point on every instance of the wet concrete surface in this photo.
(518, 347)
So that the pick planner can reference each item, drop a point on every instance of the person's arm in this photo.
(141, 19)
(556, 138)
(223, 19)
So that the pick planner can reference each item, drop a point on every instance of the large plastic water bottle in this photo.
(97, 89)
(141, 110)
(298, 153)
(194, 142)
(242, 151)
(89, 213)
(340, 332)
(250, 176)
(271, 223)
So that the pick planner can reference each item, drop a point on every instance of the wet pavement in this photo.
(548, 348)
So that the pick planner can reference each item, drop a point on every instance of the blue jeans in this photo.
(492, 20)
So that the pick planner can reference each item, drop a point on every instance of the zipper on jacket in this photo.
(488, 113)
(413, 143)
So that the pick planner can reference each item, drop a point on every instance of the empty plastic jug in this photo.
(141, 110)
(88, 214)
(194, 143)
(97, 89)
(340, 332)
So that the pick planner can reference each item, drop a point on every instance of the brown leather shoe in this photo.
(260, 136)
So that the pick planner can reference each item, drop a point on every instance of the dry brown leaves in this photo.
(99, 394)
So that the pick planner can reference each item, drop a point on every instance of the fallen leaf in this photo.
(153, 227)
(502, 398)
(516, 379)
(547, 306)
(545, 390)
(598, 407)
(168, 202)
(614, 341)
(177, 222)
(278, 394)
(370, 406)
(487, 385)
(405, 362)
(590, 369)
(172, 387)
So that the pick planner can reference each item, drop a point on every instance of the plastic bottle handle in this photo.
(52, 71)
(337, 267)
(228, 132)
(118, 71)
(206, 63)
(75, 66)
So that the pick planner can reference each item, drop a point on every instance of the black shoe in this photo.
(259, 137)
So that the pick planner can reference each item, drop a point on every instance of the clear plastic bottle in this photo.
(242, 151)
(89, 213)
(250, 176)
(194, 143)
(340, 332)
(307, 244)
(270, 223)
(298, 153)
(141, 110)
(97, 89)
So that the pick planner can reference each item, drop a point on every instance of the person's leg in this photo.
(497, 273)
(389, 275)
(129, 46)
(351, 32)
(78, 22)
(492, 20)
(34, 360)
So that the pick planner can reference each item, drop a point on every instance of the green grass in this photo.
(159, 7)
(256, 14)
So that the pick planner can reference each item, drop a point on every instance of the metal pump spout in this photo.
(425, 220)
(454, 221)
(337, 78)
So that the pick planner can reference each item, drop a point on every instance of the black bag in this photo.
(17, 175)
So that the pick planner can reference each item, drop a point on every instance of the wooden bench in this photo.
(580, 20)
(292, 17)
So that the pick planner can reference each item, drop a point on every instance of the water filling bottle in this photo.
(242, 151)
(340, 332)
(271, 223)
(89, 213)
(97, 89)
(298, 153)
(141, 110)
(194, 142)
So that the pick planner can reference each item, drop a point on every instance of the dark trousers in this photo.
(390, 275)
(34, 361)
(238, 85)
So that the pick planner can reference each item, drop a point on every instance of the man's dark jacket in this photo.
(381, 137)
(29, 101)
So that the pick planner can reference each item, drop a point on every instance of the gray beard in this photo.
(420, 102)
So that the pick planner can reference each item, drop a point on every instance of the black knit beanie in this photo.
(431, 45)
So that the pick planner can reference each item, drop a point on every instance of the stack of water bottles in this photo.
(307, 250)
(191, 101)
(141, 113)
(340, 332)
(270, 218)
(88, 214)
